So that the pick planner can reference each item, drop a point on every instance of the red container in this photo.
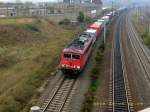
(98, 27)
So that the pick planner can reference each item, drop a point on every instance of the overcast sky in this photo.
(28, 0)
(61, 0)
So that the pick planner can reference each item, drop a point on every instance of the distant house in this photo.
(29, 9)
(7, 11)
(97, 1)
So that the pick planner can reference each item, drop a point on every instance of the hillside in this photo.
(29, 51)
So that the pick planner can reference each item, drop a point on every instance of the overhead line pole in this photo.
(104, 32)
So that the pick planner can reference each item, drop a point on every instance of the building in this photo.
(67, 8)
(72, 1)
(97, 1)
(66, 1)
(86, 1)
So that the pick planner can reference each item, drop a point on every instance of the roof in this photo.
(5, 8)
(99, 23)
(90, 31)
(100, 20)
(79, 44)
(145, 110)
(104, 8)
(110, 13)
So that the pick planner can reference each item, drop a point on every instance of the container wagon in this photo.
(92, 33)
(98, 27)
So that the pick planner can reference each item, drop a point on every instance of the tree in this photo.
(81, 17)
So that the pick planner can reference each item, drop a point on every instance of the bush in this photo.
(98, 57)
(88, 19)
(32, 27)
(94, 73)
(146, 37)
(102, 47)
(93, 86)
(89, 98)
(65, 22)
(81, 17)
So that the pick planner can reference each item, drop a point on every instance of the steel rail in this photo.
(120, 93)
(65, 85)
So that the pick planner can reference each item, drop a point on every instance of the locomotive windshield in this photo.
(67, 56)
(71, 56)
(75, 56)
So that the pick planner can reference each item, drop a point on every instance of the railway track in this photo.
(143, 58)
(60, 96)
(120, 91)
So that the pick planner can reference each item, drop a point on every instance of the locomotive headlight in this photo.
(78, 67)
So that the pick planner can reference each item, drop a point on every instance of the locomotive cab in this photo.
(71, 61)
(75, 55)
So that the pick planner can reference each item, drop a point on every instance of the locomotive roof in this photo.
(79, 43)
(99, 23)
(101, 20)
(90, 31)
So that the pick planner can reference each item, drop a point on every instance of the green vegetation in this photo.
(81, 17)
(142, 28)
(29, 51)
(146, 38)
(89, 20)
(95, 73)
(65, 22)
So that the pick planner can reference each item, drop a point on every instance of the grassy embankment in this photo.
(29, 51)
(142, 28)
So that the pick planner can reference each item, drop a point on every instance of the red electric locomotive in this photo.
(75, 55)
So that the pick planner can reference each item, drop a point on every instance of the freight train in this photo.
(75, 55)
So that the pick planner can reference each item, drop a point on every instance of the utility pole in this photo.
(104, 32)
(149, 27)
(137, 12)
(112, 5)
(7, 13)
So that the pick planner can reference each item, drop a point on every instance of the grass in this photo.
(142, 29)
(29, 51)
(14, 21)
